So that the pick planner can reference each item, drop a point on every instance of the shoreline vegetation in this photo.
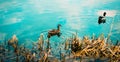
(75, 50)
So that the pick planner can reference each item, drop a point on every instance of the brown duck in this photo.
(54, 32)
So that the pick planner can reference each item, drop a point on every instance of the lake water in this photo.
(27, 19)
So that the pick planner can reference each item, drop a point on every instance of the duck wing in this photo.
(52, 31)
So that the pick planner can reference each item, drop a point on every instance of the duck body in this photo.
(54, 32)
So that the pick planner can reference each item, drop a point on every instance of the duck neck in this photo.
(58, 28)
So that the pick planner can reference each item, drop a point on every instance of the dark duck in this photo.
(102, 19)
(54, 32)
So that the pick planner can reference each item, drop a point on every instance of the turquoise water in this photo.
(29, 18)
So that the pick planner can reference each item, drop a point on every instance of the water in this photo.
(29, 18)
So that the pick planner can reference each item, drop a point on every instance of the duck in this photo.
(102, 19)
(54, 32)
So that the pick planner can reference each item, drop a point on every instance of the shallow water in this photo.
(29, 18)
